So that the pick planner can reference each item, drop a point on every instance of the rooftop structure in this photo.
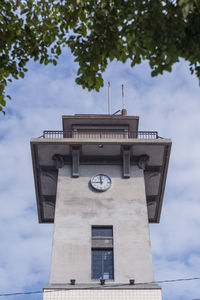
(100, 138)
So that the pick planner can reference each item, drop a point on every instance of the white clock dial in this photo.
(101, 182)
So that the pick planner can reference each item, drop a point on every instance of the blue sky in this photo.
(169, 103)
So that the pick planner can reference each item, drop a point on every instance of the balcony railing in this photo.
(99, 134)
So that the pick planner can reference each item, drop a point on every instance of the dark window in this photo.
(102, 264)
(102, 252)
(102, 231)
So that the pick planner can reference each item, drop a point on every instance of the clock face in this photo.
(101, 182)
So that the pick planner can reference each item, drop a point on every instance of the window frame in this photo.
(102, 243)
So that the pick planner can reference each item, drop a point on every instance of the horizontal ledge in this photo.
(109, 285)
(103, 141)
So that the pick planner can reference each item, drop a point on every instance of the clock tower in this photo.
(101, 182)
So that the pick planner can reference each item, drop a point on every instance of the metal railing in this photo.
(99, 134)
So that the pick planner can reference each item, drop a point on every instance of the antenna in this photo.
(123, 105)
(124, 111)
(109, 97)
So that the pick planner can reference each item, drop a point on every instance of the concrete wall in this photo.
(78, 207)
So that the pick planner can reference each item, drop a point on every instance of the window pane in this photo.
(102, 231)
(108, 264)
(97, 264)
(102, 264)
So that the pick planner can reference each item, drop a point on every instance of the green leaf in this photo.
(21, 74)
(2, 101)
(54, 62)
(58, 50)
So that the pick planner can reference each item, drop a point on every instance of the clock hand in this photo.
(101, 180)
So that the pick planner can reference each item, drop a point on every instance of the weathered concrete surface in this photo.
(78, 207)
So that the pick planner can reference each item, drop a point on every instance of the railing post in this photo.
(75, 133)
(126, 134)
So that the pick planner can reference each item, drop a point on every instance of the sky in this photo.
(169, 103)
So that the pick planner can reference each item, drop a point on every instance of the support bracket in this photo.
(126, 162)
(58, 160)
(75, 161)
(143, 161)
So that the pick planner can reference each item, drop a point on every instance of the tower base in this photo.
(107, 292)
